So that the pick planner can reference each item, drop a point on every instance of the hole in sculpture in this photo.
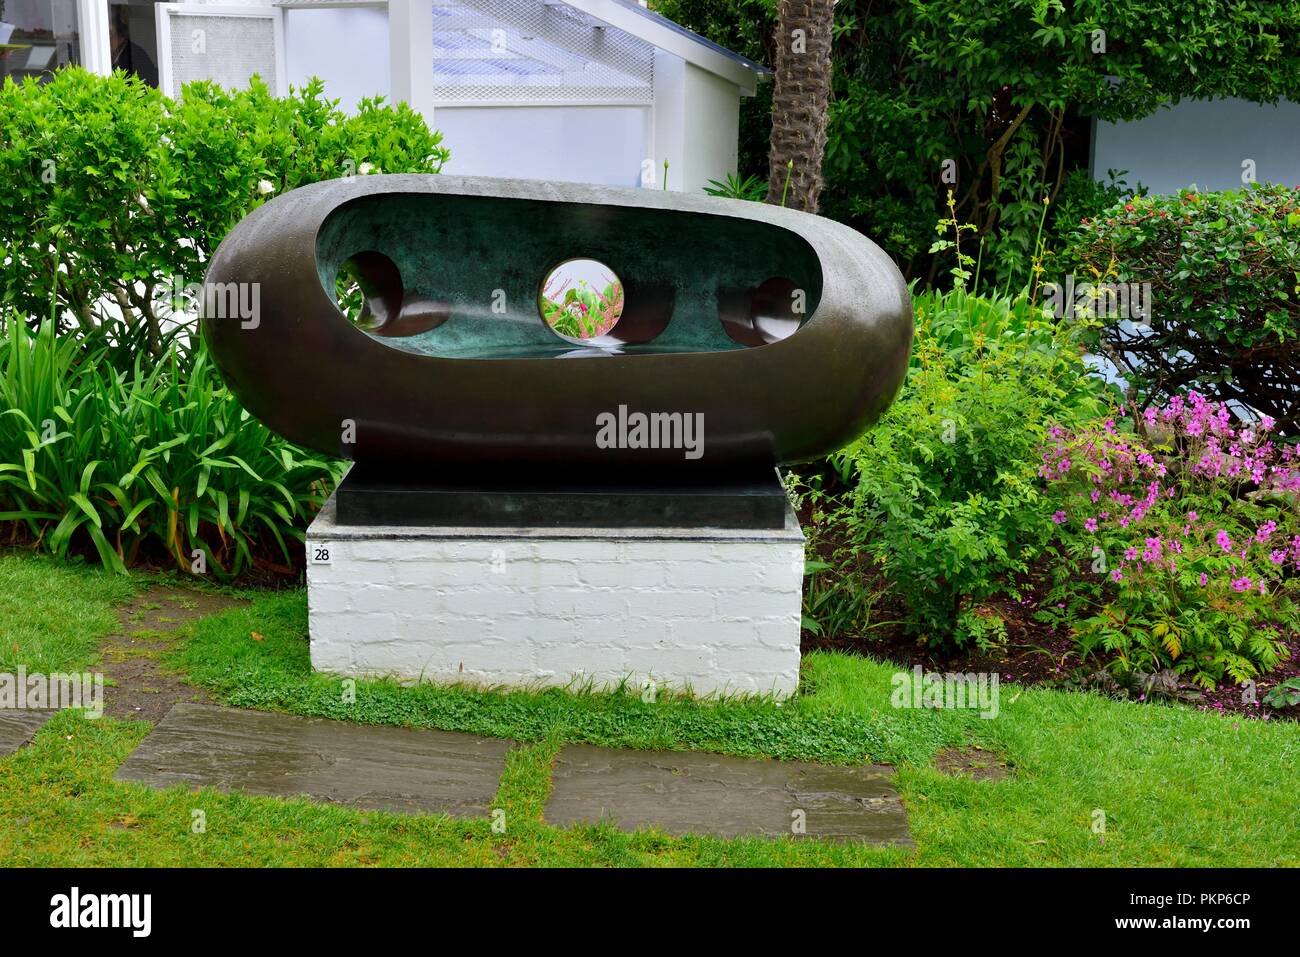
(371, 295)
(768, 314)
(581, 300)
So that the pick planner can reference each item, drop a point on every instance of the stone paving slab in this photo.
(684, 792)
(18, 726)
(407, 770)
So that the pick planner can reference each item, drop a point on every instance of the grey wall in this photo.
(1202, 142)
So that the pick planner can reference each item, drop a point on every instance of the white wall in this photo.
(1202, 142)
(696, 125)
(710, 610)
(712, 129)
(577, 144)
(346, 47)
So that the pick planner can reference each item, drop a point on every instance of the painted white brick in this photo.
(711, 573)
(630, 573)
(659, 603)
(571, 603)
(702, 611)
(764, 604)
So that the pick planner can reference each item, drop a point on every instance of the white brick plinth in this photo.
(711, 611)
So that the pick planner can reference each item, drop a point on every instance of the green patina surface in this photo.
(463, 249)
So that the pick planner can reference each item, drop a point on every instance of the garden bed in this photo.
(1037, 654)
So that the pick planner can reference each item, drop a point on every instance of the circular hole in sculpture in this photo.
(581, 300)
(372, 296)
(769, 313)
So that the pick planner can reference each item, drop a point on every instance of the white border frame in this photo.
(92, 24)
(164, 13)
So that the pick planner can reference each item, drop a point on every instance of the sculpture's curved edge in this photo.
(860, 281)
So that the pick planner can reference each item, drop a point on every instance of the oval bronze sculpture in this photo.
(788, 333)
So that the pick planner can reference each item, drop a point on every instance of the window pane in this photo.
(133, 39)
(38, 36)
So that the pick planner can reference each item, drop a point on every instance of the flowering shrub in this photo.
(1180, 548)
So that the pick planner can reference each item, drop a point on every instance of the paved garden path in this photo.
(18, 727)
(690, 792)
(425, 771)
(137, 685)
(366, 766)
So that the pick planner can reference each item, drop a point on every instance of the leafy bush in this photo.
(1177, 550)
(1083, 198)
(947, 498)
(998, 95)
(123, 194)
(751, 187)
(1223, 271)
(160, 456)
(1286, 694)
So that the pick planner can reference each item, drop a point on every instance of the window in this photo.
(37, 37)
(133, 38)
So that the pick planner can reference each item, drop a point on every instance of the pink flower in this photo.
(1224, 541)
(1059, 518)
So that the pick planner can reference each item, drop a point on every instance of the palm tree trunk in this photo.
(799, 102)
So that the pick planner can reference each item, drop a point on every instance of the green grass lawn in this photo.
(1176, 787)
(52, 614)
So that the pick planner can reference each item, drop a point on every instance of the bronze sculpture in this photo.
(781, 335)
(461, 369)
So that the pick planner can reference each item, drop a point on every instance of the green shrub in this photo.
(124, 195)
(995, 98)
(160, 456)
(1082, 199)
(1223, 270)
(1176, 550)
(947, 498)
(752, 188)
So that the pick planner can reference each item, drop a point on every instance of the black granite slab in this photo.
(754, 499)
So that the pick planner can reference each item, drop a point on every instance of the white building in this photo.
(599, 91)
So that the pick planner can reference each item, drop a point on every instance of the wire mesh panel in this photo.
(226, 50)
(522, 51)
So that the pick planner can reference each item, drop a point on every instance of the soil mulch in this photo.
(972, 762)
(137, 685)
(1037, 654)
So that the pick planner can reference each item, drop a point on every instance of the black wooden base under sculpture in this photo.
(751, 499)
